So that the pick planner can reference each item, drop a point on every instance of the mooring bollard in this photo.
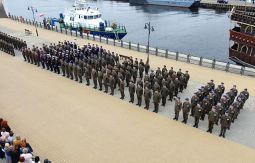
(121, 43)
(227, 67)
(200, 61)
(138, 47)
(114, 42)
(87, 36)
(94, 38)
(56, 28)
(242, 70)
(166, 55)
(188, 58)
(129, 45)
(213, 64)
(106, 40)
(177, 56)
(156, 52)
(100, 39)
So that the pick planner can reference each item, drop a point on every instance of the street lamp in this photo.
(33, 12)
(150, 29)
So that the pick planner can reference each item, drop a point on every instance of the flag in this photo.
(41, 14)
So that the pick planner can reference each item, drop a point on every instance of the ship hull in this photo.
(173, 3)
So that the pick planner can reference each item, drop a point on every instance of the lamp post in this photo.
(33, 12)
(150, 29)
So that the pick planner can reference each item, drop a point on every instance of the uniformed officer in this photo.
(122, 87)
(171, 88)
(224, 121)
(70, 67)
(106, 82)
(164, 93)
(194, 102)
(80, 73)
(186, 106)
(94, 77)
(100, 79)
(156, 100)
(177, 108)
(112, 84)
(147, 97)
(87, 75)
(139, 94)
(212, 118)
(131, 91)
(197, 114)
(75, 71)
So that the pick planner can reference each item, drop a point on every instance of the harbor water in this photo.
(199, 32)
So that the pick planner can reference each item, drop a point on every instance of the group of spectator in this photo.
(14, 149)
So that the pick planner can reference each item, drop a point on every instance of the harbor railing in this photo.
(188, 58)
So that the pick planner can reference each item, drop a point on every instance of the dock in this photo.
(239, 5)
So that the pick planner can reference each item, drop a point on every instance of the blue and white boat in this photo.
(89, 21)
(174, 3)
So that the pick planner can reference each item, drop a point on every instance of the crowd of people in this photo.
(105, 70)
(13, 148)
(211, 101)
(9, 43)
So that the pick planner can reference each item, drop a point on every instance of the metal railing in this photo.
(213, 64)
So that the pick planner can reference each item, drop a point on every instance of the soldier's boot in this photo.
(88, 83)
(80, 77)
(95, 84)
(76, 77)
(100, 86)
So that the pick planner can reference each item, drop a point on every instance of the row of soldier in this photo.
(107, 72)
(16, 42)
(9, 43)
(210, 101)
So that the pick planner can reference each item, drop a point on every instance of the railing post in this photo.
(227, 67)
(166, 55)
(56, 28)
(129, 45)
(177, 56)
(94, 38)
(188, 58)
(40, 24)
(66, 31)
(213, 64)
(71, 33)
(201, 61)
(114, 42)
(138, 47)
(87, 36)
(36, 24)
(76, 34)
(61, 30)
(30, 22)
(242, 70)
(106, 40)
(100, 38)
(121, 43)
(156, 52)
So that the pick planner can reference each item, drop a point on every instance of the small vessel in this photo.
(89, 21)
(242, 38)
(174, 3)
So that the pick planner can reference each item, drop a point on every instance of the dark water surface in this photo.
(200, 32)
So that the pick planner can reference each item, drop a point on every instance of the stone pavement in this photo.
(242, 131)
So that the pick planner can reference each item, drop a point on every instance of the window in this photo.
(90, 17)
(96, 16)
(85, 17)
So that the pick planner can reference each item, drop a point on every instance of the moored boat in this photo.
(174, 3)
(89, 21)
(242, 37)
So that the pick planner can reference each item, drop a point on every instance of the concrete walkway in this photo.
(68, 105)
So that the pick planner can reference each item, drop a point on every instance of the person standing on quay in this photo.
(197, 114)
(185, 110)
(177, 108)
(156, 100)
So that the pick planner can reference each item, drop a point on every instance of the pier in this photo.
(240, 5)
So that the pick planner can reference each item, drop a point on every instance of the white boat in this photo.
(90, 21)
(174, 3)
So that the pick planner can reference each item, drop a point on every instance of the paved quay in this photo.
(117, 120)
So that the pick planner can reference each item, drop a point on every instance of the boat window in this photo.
(96, 16)
(79, 16)
(85, 17)
(90, 17)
